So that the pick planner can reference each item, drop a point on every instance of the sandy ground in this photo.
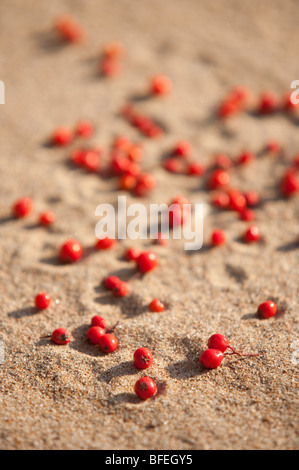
(74, 397)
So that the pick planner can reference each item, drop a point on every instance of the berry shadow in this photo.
(190, 366)
(130, 306)
(7, 219)
(24, 312)
(139, 97)
(47, 41)
(120, 370)
(125, 398)
(291, 246)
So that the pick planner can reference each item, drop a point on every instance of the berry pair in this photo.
(212, 357)
(145, 387)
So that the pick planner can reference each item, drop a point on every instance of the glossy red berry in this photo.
(95, 333)
(268, 103)
(252, 198)
(211, 358)
(237, 201)
(42, 300)
(218, 238)
(145, 388)
(132, 254)
(61, 336)
(108, 343)
(252, 234)
(173, 165)
(97, 320)
(247, 215)
(145, 183)
(121, 289)
(147, 261)
(246, 158)
(218, 179)
(111, 282)
(47, 218)
(156, 306)
(70, 252)
(105, 243)
(160, 85)
(267, 309)
(195, 169)
(23, 207)
(110, 67)
(143, 358)
(84, 129)
(223, 162)
(221, 200)
(182, 149)
(69, 30)
(290, 184)
(218, 342)
(62, 136)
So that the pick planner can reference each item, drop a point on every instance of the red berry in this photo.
(62, 136)
(47, 218)
(121, 290)
(108, 343)
(84, 129)
(273, 146)
(290, 184)
(145, 388)
(110, 67)
(173, 165)
(182, 149)
(228, 108)
(246, 158)
(179, 211)
(267, 309)
(42, 300)
(252, 198)
(195, 169)
(211, 358)
(143, 358)
(114, 50)
(23, 207)
(221, 200)
(218, 179)
(98, 321)
(160, 85)
(112, 282)
(95, 333)
(156, 306)
(247, 215)
(127, 182)
(223, 162)
(91, 160)
(132, 254)
(218, 238)
(61, 336)
(145, 183)
(237, 201)
(252, 234)
(105, 243)
(147, 261)
(69, 29)
(218, 342)
(135, 153)
(71, 251)
(122, 143)
(268, 103)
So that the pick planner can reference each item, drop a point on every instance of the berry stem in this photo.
(241, 353)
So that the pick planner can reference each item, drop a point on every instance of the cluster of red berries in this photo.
(212, 357)
(146, 125)
(179, 160)
(240, 99)
(111, 59)
(63, 136)
(24, 207)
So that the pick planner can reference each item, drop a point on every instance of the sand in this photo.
(74, 397)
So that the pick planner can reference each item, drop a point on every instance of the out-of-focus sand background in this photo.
(74, 397)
